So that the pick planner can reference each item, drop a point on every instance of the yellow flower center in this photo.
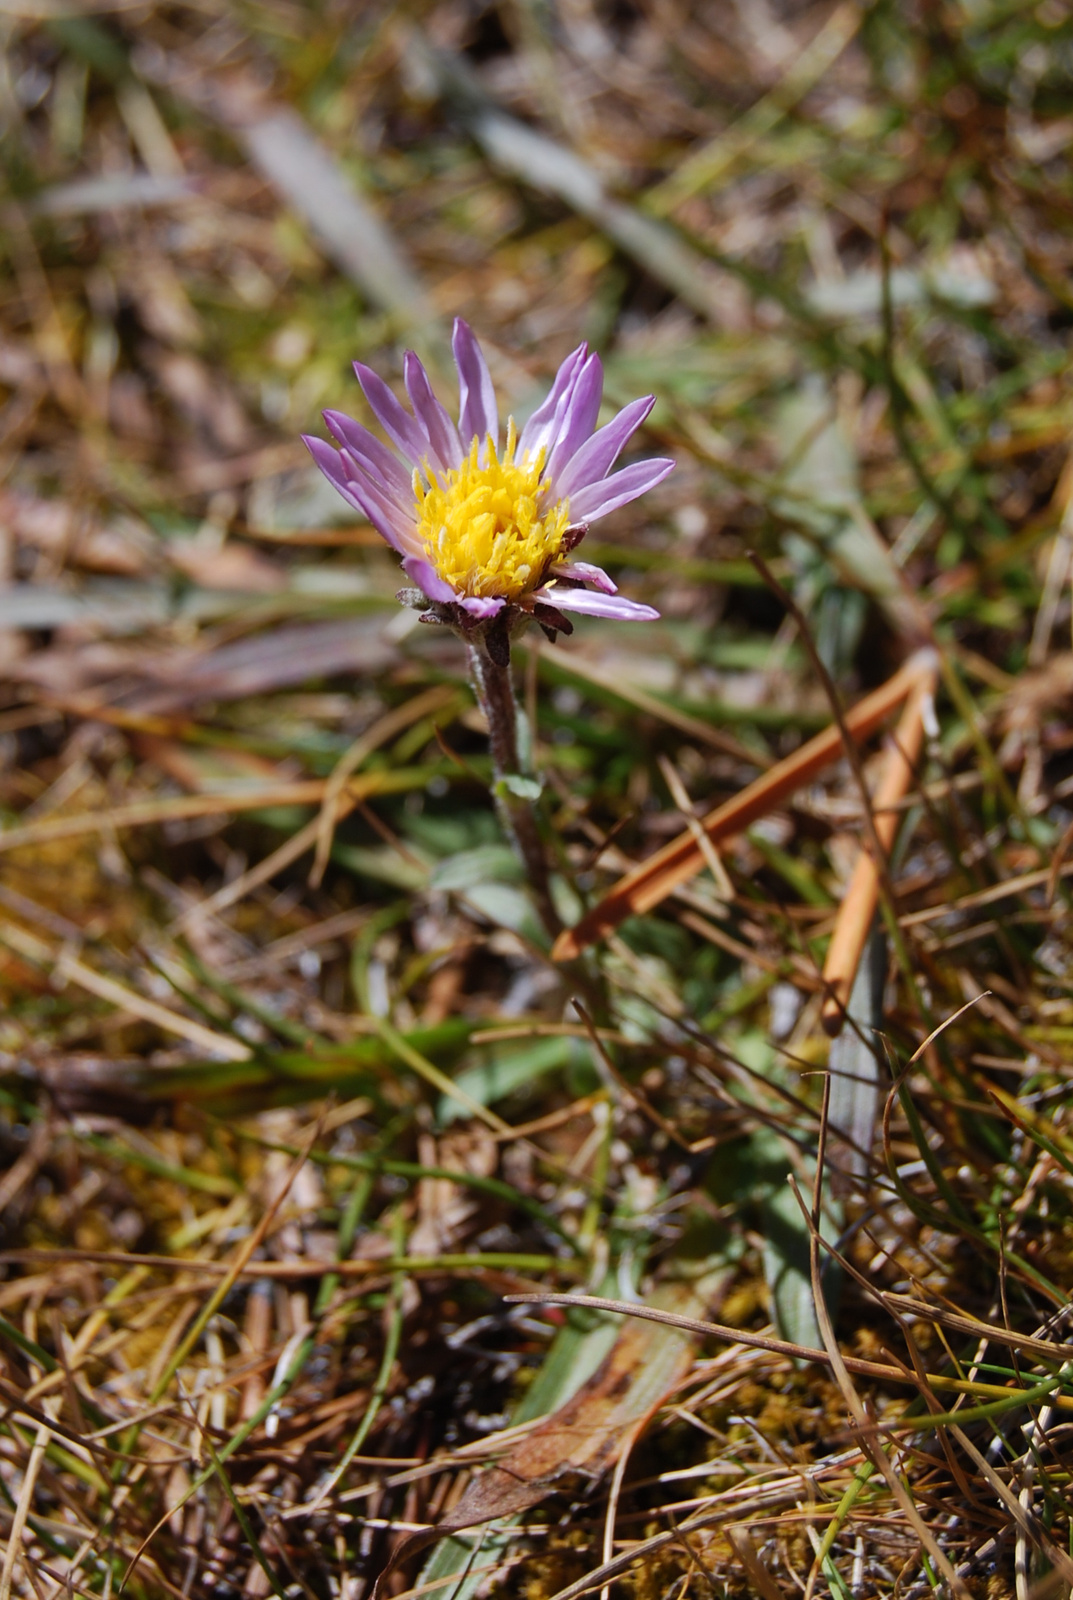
(485, 529)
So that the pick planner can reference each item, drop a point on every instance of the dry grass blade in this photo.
(756, 1570)
(150, 813)
(209, 1309)
(551, 167)
(946, 1023)
(589, 672)
(1027, 1524)
(720, 876)
(748, 1339)
(725, 1509)
(67, 968)
(334, 809)
(742, 1336)
(705, 167)
(305, 174)
(647, 885)
(136, 1005)
(395, 722)
(864, 1426)
(14, 1551)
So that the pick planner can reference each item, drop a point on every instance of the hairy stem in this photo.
(495, 696)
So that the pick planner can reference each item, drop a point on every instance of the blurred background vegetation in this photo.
(292, 1093)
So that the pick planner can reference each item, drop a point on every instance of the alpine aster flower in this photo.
(485, 525)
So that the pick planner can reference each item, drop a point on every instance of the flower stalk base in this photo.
(495, 695)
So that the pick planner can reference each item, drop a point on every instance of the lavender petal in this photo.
(619, 489)
(382, 510)
(597, 455)
(359, 474)
(595, 605)
(585, 572)
(478, 415)
(578, 420)
(393, 417)
(428, 580)
(384, 516)
(481, 605)
(328, 460)
(542, 429)
(442, 433)
(374, 456)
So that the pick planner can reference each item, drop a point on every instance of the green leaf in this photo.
(487, 863)
(514, 783)
(506, 1070)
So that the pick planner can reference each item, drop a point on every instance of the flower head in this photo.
(485, 524)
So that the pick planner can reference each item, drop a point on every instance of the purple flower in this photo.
(484, 524)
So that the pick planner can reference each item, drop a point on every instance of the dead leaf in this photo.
(275, 659)
(583, 1437)
(170, 680)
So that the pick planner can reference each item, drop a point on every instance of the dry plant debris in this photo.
(310, 1151)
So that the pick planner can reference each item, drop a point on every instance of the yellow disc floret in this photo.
(485, 528)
